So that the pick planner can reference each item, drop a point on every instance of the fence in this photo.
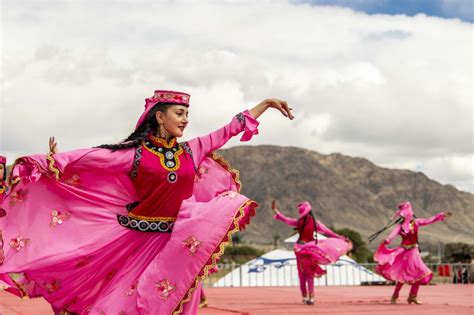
(341, 273)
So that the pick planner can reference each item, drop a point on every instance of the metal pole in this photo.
(240, 275)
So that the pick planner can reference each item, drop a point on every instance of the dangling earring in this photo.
(162, 132)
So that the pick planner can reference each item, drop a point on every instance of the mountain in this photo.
(344, 191)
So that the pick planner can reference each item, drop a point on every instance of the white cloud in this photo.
(394, 89)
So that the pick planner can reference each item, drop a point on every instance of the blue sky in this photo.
(461, 9)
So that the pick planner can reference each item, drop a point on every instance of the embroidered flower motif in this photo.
(192, 244)
(57, 218)
(230, 194)
(52, 286)
(240, 117)
(18, 243)
(18, 196)
(132, 289)
(74, 181)
(165, 288)
(83, 261)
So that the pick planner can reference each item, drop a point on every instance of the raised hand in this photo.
(280, 105)
(53, 145)
(274, 207)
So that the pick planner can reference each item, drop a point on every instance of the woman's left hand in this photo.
(53, 146)
(274, 207)
(280, 105)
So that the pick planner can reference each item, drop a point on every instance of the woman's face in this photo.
(2, 171)
(174, 120)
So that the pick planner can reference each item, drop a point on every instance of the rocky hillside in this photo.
(345, 192)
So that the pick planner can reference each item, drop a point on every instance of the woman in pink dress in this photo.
(403, 264)
(311, 252)
(129, 228)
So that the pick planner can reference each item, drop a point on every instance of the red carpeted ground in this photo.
(439, 299)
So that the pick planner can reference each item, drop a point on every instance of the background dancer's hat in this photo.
(3, 159)
(304, 208)
(163, 96)
(405, 210)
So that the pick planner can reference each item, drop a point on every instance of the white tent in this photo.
(278, 268)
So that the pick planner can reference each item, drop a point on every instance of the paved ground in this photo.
(438, 299)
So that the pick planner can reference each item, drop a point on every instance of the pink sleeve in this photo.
(285, 219)
(31, 168)
(433, 219)
(321, 228)
(202, 146)
(393, 234)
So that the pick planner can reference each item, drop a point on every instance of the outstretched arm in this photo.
(321, 228)
(436, 218)
(280, 105)
(280, 217)
(393, 234)
(245, 121)
(31, 168)
(202, 146)
(290, 221)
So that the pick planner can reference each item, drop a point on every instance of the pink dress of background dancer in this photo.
(90, 230)
(403, 264)
(310, 252)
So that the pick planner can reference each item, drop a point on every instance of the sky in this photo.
(461, 9)
(388, 81)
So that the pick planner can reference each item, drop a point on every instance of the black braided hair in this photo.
(302, 222)
(149, 125)
(390, 223)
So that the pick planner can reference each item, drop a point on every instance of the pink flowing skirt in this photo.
(402, 265)
(63, 242)
(311, 255)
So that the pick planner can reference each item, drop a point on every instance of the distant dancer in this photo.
(403, 264)
(311, 252)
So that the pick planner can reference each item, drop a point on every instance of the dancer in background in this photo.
(403, 264)
(101, 239)
(311, 252)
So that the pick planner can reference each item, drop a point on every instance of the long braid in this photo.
(133, 140)
(301, 223)
(315, 226)
(136, 138)
(386, 227)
